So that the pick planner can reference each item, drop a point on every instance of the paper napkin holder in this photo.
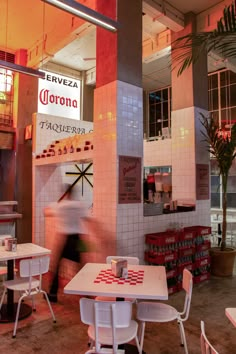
(117, 266)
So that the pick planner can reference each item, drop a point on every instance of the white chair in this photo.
(27, 284)
(206, 347)
(110, 324)
(130, 260)
(160, 312)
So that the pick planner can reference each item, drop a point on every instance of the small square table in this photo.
(24, 250)
(144, 282)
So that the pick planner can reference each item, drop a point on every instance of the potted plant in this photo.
(221, 145)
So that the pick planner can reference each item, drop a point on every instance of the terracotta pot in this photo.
(222, 262)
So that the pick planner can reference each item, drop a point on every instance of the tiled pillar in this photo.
(189, 98)
(118, 124)
(25, 104)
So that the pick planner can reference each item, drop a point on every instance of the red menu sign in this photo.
(129, 180)
(202, 181)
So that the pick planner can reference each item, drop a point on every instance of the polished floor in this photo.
(38, 333)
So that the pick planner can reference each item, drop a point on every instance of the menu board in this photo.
(202, 181)
(129, 180)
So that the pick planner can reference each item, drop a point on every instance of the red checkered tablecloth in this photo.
(106, 276)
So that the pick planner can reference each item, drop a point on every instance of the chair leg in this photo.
(91, 343)
(17, 315)
(138, 345)
(141, 336)
(2, 298)
(183, 337)
(49, 305)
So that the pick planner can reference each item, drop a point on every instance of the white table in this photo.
(231, 314)
(153, 286)
(24, 250)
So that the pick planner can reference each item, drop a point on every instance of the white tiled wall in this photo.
(118, 123)
(118, 130)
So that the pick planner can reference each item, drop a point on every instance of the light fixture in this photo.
(21, 69)
(85, 13)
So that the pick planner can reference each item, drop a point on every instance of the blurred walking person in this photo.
(69, 215)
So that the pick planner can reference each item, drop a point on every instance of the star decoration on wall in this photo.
(82, 175)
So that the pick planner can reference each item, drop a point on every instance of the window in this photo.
(222, 97)
(6, 97)
(216, 187)
(222, 105)
(159, 112)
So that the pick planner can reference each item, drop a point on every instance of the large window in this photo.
(6, 98)
(159, 112)
(222, 105)
(216, 187)
(222, 97)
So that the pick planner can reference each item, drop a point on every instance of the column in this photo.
(118, 125)
(25, 104)
(189, 152)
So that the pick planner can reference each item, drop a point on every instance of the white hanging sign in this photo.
(59, 95)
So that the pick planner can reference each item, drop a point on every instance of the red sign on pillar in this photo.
(129, 180)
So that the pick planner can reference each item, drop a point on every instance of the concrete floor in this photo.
(38, 333)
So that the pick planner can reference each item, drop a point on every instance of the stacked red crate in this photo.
(162, 249)
(202, 262)
(176, 250)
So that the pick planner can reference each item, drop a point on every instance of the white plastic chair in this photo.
(206, 347)
(27, 284)
(130, 260)
(160, 312)
(109, 323)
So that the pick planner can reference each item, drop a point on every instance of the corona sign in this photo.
(59, 96)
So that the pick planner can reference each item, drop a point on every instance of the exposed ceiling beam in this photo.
(164, 13)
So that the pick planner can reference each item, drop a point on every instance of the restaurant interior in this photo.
(91, 102)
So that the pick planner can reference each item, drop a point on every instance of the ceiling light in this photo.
(85, 13)
(21, 69)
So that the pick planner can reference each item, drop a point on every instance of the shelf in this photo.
(11, 202)
(9, 216)
(81, 156)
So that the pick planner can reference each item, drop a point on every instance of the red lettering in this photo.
(45, 98)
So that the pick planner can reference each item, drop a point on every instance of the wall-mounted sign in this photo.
(59, 96)
(48, 129)
(202, 182)
(129, 180)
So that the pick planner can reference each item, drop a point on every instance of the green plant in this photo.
(222, 148)
(186, 51)
(221, 40)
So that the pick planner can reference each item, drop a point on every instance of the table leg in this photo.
(10, 293)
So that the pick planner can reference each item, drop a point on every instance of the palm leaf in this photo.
(187, 49)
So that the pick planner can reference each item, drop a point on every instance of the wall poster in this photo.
(202, 181)
(129, 180)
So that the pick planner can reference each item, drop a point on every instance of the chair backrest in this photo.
(188, 287)
(206, 347)
(130, 260)
(105, 314)
(34, 266)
